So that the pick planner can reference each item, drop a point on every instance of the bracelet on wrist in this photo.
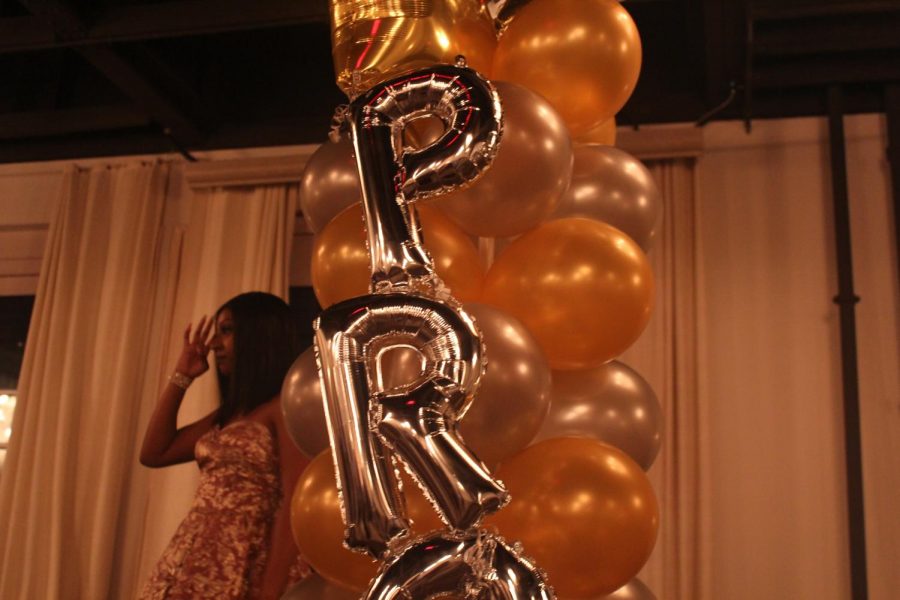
(180, 380)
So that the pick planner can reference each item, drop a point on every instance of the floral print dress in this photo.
(220, 549)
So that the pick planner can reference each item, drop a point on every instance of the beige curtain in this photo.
(665, 355)
(89, 346)
(775, 515)
(133, 254)
(235, 239)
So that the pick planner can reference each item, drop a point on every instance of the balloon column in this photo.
(419, 409)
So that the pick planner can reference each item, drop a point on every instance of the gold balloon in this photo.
(584, 57)
(604, 133)
(583, 288)
(583, 510)
(319, 530)
(340, 262)
(378, 39)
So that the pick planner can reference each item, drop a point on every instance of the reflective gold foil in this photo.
(374, 40)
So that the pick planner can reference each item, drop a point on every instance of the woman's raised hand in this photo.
(193, 361)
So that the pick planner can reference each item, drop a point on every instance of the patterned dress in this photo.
(220, 549)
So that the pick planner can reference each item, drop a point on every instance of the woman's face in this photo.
(223, 342)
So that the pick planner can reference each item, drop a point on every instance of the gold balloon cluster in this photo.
(571, 289)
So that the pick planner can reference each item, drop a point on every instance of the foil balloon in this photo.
(393, 175)
(374, 40)
(417, 422)
(460, 565)
(340, 266)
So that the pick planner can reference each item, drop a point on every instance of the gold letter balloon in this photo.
(375, 40)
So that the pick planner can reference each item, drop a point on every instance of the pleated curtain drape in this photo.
(133, 255)
(665, 355)
(63, 485)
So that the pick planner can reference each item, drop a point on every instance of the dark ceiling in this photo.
(105, 77)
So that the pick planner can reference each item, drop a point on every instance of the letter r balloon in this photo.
(417, 421)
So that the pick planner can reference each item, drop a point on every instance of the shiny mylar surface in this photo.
(393, 175)
(374, 40)
(341, 268)
(418, 421)
(468, 565)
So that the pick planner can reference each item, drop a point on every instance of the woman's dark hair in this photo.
(265, 346)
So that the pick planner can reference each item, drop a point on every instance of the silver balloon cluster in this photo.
(371, 427)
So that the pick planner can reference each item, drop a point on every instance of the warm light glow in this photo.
(8, 404)
(442, 39)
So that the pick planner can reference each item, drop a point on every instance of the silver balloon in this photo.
(330, 183)
(393, 174)
(633, 590)
(470, 565)
(316, 588)
(528, 177)
(301, 405)
(417, 421)
(610, 403)
(612, 186)
(514, 396)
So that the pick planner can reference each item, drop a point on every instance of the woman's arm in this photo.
(282, 551)
(165, 444)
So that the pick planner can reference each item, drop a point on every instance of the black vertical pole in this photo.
(846, 301)
(892, 111)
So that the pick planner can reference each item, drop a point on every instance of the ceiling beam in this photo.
(161, 20)
(779, 12)
(144, 93)
(48, 123)
(111, 143)
(159, 106)
(822, 72)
